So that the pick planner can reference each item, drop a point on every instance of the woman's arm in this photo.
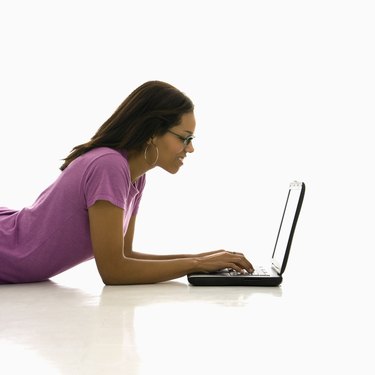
(111, 252)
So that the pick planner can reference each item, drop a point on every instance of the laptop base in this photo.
(224, 280)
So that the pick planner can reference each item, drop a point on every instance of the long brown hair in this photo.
(150, 110)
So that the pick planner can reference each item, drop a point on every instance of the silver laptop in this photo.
(270, 275)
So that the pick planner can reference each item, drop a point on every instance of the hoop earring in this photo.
(157, 155)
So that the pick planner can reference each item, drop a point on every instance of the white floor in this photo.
(76, 325)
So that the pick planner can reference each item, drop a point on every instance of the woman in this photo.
(90, 210)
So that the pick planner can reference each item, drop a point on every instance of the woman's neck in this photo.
(137, 164)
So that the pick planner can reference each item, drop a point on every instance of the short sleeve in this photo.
(107, 178)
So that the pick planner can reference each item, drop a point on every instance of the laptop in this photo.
(270, 275)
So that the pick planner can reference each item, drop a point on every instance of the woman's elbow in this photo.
(111, 278)
(115, 278)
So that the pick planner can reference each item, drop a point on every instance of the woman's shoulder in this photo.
(98, 159)
(102, 151)
(100, 156)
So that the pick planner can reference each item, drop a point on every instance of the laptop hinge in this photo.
(276, 269)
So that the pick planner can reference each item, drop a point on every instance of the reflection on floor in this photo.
(73, 325)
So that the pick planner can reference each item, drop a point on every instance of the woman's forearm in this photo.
(118, 269)
(146, 271)
(137, 255)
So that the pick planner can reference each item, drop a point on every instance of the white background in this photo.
(283, 90)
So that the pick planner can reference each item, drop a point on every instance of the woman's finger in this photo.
(241, 261)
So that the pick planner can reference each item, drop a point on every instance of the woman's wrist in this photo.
(195, 264)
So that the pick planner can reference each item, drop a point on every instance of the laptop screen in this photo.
(287, 226)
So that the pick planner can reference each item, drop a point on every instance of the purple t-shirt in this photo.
(53, 235)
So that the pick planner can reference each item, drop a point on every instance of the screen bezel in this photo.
(295, 185)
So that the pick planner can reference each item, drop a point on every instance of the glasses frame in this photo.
(186, 141)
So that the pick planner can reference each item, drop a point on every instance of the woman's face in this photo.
(172, 147)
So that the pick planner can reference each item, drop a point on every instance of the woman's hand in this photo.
(217, 260)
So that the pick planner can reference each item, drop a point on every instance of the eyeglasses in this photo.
(186, 141)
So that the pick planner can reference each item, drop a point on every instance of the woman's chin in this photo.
(172, 169)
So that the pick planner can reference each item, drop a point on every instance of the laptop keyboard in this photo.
(260, 271)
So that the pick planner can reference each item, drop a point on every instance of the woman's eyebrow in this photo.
(188, 131)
